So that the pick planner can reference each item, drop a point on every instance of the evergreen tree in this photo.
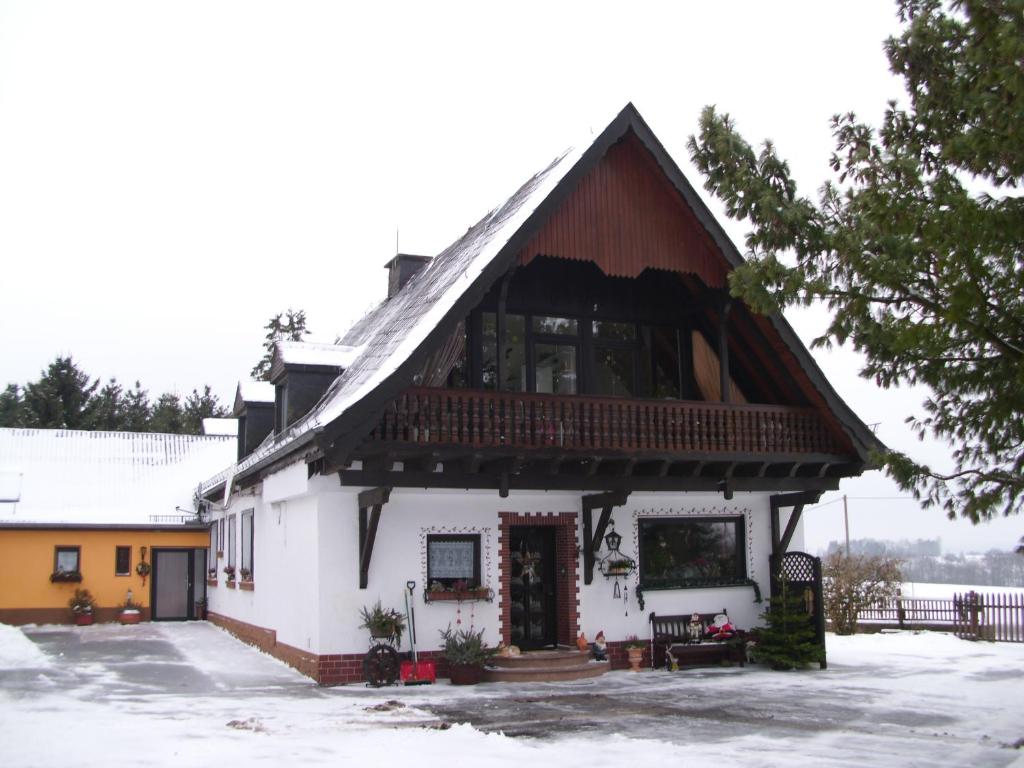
(921, 269)
(790, 640)
(12, 407)
(291, 326)
(62, 398)
(201, 406)
(135, 409)
(167, 415)
(108, 408)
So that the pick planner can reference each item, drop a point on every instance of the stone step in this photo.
(562, 657)
(545, 674)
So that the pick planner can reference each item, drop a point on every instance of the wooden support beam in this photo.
(370, 504)
(592, 537)
(781, 541)
(723, 350)
(787, 535)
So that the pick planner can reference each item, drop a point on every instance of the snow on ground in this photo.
(189, 694)
(16, 650)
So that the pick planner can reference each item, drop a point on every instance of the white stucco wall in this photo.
(307, 561)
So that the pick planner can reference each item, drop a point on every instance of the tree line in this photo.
(66, 397)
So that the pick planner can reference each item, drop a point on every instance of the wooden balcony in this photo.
(434, 418)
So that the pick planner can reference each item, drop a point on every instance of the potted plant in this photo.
(131, 612)
(466, 654)
(81, 606)
(245, 573)
(635, 650)
(383, 623)
(229, 571)
(62, 577)
(201, 609)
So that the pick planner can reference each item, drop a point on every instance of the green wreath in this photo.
(143, 569)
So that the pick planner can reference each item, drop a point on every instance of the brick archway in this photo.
(567, 601)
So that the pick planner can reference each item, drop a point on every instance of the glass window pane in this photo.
(231, 539)
(606, 329)
(67, 560)
(614, 371)
(691, 552)
(122, 561)
(559, 325)
(247, 542)
(515, 352)
(556, 368)
(661, 353)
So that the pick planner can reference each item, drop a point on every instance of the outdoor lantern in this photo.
(613, 540)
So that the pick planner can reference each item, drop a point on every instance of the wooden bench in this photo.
(674, 647)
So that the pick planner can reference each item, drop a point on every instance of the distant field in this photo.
(922, 589)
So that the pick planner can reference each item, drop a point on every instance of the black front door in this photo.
(532, 586)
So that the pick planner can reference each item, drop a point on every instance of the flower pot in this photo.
(130, 617)
(636, 657)
(465, 674)
(83, 619)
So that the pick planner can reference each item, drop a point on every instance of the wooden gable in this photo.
(626, 216)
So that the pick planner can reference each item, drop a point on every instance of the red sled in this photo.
(419, 672)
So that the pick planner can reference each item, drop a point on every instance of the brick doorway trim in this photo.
(567, 598)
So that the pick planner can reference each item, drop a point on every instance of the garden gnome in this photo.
(599, 647)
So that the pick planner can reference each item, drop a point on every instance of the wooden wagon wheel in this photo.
(380, 665)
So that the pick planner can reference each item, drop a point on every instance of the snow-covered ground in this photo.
(189, 694)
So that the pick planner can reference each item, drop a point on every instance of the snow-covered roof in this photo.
(73, 476)
(310, 353)
(255, 392)
(385, 341)
(220, 427)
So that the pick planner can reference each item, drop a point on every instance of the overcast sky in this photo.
(172, 174)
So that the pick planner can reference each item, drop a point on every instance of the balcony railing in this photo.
(483, 419)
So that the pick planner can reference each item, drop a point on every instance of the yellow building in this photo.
(110, 512)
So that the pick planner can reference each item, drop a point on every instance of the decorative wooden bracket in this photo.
(591, 537)
(780, 543)
(370, 504)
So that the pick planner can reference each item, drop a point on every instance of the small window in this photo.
(122, 561)
(692, 552)
(67, 560)
(561, 326)
(231, 539)
(247, 531)
(214, 541)
(453, 558)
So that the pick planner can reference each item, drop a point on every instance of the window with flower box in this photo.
(453, 563)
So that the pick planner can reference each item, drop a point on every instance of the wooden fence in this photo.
(972, 615)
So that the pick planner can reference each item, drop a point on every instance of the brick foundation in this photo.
(618, 657)
(20, 616)
(567, 597)
(328, 669)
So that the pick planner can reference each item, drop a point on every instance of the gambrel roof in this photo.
(390, 344)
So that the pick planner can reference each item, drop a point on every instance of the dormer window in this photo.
(280, 407)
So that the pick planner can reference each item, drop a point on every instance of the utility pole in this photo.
(846, 524)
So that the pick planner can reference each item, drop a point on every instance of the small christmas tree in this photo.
(789, 640)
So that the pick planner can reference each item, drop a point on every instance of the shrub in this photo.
(463, 646)
(853, 583)
(790, 639)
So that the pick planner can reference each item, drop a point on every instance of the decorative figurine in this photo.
(599, 647)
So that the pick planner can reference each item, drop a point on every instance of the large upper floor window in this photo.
(692, 552)
(565, 355)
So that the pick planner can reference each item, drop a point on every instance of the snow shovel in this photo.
(415, 672)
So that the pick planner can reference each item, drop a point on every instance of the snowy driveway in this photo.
(189, 694)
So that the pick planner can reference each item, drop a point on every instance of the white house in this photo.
(573, 358)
